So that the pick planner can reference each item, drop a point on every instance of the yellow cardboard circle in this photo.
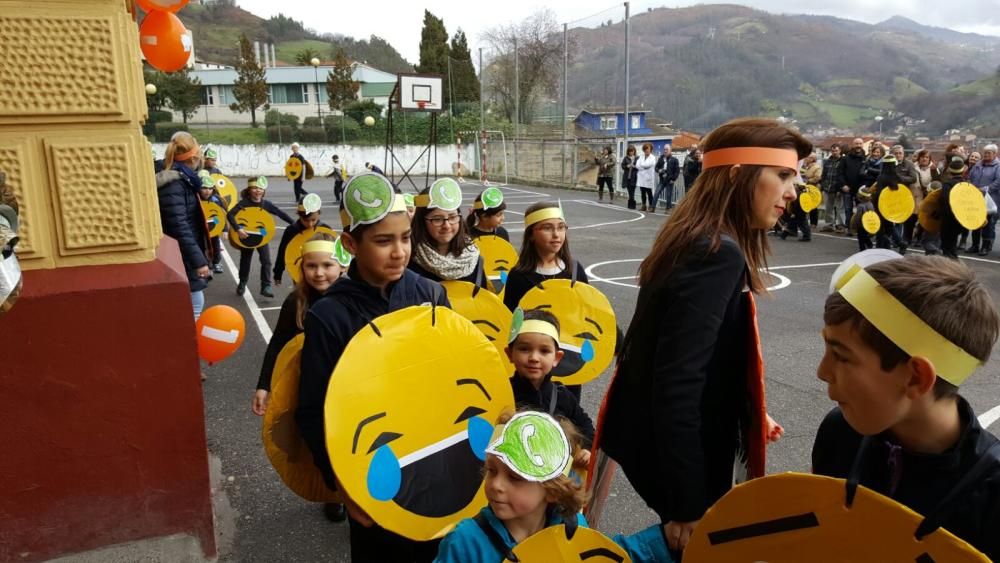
(896, 205)
(485, 310)
(819, 526)
(871, 222)
(257, 223)
(811, 198)
(293, 168)
(215, 217)
(227, 190)
(585, 316)
(293, 252)
(283, 443)
(968, 205)
(499, 258)
(929, 215)
(551, 544)
(412, 404)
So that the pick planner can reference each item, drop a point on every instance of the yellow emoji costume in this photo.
(499, 258)
(486, 311)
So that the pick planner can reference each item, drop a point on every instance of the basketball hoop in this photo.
(421, 104)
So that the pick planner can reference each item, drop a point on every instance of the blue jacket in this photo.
(331, 322)
(183, 220)
(468, 543)
(986, 177)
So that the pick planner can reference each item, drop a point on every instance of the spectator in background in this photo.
(811, 173)
(668, 168)
(605, 173)
(973, 159)
(926, 173)
(850, 178)
(692, 168)
(828, 183)
(873, 166)
(646, 177)
(985, 175)
(629, 175)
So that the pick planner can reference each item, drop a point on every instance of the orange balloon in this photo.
(164, 41)
(220, 331)
(161, 5)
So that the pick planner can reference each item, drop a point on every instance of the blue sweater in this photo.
(468, 543)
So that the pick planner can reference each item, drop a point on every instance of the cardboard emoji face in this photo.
(585, 545)
(293, 169)
(797, 517)
(293, 252)
(255, 222)
(587, 327)
(226, 189)
(896, 205)
(407, 427)
(215, 217)
(486, 311)
(930, 212)
(287, 451)
(499, 257)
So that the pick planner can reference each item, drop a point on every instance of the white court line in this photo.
(639, 216)
(269, 308)
(855, 241)
(258, 317)
(989, 417)
(783, 281)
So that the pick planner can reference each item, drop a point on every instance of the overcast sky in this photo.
(400, 22)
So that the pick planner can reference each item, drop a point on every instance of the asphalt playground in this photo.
(272, 524)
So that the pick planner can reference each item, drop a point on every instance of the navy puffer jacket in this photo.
(183, 220)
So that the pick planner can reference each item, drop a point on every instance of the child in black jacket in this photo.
(534, 351)
(901, 427)
(253, 196)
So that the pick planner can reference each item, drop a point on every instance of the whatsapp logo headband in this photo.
(491, 198)
(210, 153)
(443, 194)
(334, 248)
(368, 198)
(311, 203)
(258, 182)
(533, 445)
(207, 183)
(520, 326)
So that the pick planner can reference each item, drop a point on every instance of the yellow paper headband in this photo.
(319, 246)
(760, 156)
(542, 215)
(904, 328)
(538, 327)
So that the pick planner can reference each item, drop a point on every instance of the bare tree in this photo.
(540, 60)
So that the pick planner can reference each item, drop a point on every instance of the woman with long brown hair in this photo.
(687, 398)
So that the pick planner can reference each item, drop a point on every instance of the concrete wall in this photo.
(269, 160)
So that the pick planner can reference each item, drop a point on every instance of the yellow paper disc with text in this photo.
(256, 223)
(968, 205)
(215, 217)
(485, 310)
(587, 327)
(287, 451)
(929, 215)
(499, 258)
(293, 252)
(870, 222)
(409, 412)
(793, 517)
(896, 205)
(552, 544)
(811, 198)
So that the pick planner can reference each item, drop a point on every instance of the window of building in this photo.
(207, 96)
(226, 95)
(609, 122)
(306, 97)
(635, 122)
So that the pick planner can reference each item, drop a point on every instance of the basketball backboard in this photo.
(419, 92)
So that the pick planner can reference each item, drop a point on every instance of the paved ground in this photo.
(275, 525)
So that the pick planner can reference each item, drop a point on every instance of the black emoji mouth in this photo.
(570, 363)
(441, 483)
(253, 239)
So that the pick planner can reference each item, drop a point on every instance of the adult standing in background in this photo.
(646, 177)
(692, 168)
(605, 173)
(668, 168)
(828, 183)
(812, 173)
(629, 175)
(985, 175)
(850, 178)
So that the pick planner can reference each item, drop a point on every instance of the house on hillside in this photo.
(607, 126)
(291, 89)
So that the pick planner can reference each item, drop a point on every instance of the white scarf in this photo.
(447, 266)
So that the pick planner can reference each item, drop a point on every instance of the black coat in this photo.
(850, 171)
(668, 169)
(183, 220)
(923, 480)
(284, 332)
(501, 232)
(630, 174)
(673, 413)
(520, 282)
(331, 322)
(692, 169)
(566, 404)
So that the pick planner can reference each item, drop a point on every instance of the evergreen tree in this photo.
(434, 50)
(305, 56)
(250, 89)
(183, 93)
(464, 82)
(341, 88)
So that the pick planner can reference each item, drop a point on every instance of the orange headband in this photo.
(760, 156)
(186, 156)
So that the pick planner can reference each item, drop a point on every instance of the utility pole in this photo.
(517, 102)
(565, 107)
(482, 97)
(625, 145)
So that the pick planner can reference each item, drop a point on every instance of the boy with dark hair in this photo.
(901, 336)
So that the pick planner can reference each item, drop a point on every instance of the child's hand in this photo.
(679, 533)
(773, 429)
(242, 234)
(582, 458)
(356, 512)
(259, 405)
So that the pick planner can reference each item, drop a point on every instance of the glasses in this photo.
(550, 228)
(440, 221)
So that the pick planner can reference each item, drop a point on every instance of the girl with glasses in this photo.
(442, 248)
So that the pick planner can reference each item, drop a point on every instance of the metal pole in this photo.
(517, 102)
(316, 77)
(482, 97)
(625, 143)
(565, 134)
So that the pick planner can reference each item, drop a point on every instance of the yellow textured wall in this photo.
(72, 103)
